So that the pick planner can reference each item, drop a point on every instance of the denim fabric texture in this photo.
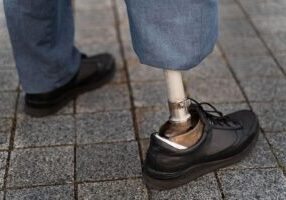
(168, 34)
(173, 34)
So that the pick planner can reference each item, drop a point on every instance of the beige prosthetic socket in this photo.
(179, 129)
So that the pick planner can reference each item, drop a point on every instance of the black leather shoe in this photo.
(225, 140)
(94, 72)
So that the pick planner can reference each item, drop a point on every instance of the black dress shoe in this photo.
(225, 140)
(93, 73)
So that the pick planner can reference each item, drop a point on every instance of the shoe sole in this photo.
(69, 96)
(197, 171)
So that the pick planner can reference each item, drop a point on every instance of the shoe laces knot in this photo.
(214, 116)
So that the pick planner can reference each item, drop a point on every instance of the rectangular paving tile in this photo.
(213, 66)
(92, 5)
(5, 133)
(8, 80)
(264, 89)
(113, 190)
(3, 162)
(215, 90)
(253, 184)
(276, 41)
(254, 66)
(282, 60)
(149, 120)
(270, 24)
(258, 8)
(109, 97)
(277, 141)
(108, 161)
(236, 28)
(104, 127)
(149, 94)
(246, 45)
(100, 18)
(7, 59)
(8, 102)
(41, 166)
(139, 72)
(204, 188)
(62, 192)
(260, 157)
(271, 115)
(230, 11)
(53, 130)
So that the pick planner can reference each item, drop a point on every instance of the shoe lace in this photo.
(214, 116)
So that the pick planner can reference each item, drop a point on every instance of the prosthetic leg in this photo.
(181, 130)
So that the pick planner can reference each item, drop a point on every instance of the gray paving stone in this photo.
(94, 34)
(41, 166)
(204, 188)
(282, 60)
(8, 102)
(2, 195)
(150, 120)
(264, 8)
(253, 184)
(245, 45)
(119, 77)
(149, 94)
(277, 141)
(271, 115)
(3, 161)
(236, 28)
(92, 5)
(108, 161)
(212, 67)
(139, 72)
(7, 59)
(109, 97)
(92, 19)
(8, 80)
(264, 89)
(230, 11)
(116, 190)
(270, 24)
(214, 90)
(62, 192)
(104, 127)
(5, 133)
(260, 157)
(254, 66)
(53, 130)
(276, 41)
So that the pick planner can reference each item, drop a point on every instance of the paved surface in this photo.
(93, 148)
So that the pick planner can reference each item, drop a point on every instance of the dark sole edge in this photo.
(199, 170)
(43, 112)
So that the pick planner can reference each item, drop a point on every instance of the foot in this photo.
(93, 73)
(225, 140)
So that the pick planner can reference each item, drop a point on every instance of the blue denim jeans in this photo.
(168, 34)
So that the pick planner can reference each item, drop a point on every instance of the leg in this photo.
(51, 70)
(177, 35)
(42, 36)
